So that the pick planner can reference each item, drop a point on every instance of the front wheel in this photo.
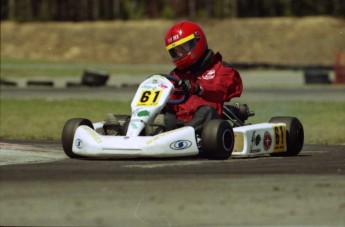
(68, 134)
(217, 139)
(294, 134)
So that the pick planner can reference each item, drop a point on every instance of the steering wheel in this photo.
(185, 93)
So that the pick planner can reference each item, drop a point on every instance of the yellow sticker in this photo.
(149, 98)
(279, 138)
(181, 41)
(238, 146)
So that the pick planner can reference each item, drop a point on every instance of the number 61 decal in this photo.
(279, 138)
(149, 98)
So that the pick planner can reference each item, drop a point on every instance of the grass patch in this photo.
(12, 68)
(42, 119)
(322, 121)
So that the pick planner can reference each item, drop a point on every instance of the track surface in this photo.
(308, 189)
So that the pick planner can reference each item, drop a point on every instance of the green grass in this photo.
(323, 122)
(41, 119)
(12, 68)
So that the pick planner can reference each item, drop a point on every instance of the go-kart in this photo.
(220, 138)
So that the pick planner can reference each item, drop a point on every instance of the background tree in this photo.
(90, 10)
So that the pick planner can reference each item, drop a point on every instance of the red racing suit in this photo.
(220, 83)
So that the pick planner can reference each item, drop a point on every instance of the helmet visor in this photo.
(182, 47)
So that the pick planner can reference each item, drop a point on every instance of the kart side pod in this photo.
(264, 138)
(281, 136)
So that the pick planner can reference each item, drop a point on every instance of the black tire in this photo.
(94, 78)
(40, 83)
(316, 77)
(217, 139)
(68, 134)
(8, 83)
(294, 135)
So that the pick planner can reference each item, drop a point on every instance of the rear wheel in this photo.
(294, 134)
(68, 134)
(217, 139)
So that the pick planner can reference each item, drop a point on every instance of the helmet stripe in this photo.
(181, 41)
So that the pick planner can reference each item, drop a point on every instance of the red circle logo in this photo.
(267, 140)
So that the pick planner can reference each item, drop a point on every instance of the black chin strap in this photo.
(201, 64)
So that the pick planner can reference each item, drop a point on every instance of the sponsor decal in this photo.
(159, 136)
(279, 138)
(143, 113)
(239, 142)
(209, 75)
(267, 141)
(133, 125)
(79, 143)
(180, 144)
(171, 39)
(93, 134)
(162, 86)
(149, 87)
(256, 139)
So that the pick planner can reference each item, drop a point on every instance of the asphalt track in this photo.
(40, 186)
(127, 93)
(47, 188)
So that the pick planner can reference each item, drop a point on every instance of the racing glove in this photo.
(193, 88)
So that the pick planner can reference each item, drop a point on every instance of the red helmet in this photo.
(186, 43)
